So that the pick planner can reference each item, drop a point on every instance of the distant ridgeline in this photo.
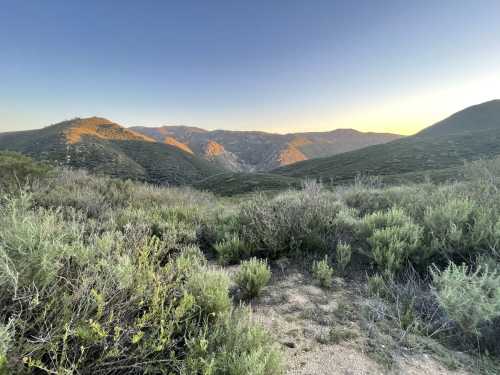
(103, 147)
(229, 162)
(252, 151)
(438, 151)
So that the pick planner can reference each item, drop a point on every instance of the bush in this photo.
(344, 253)
(367, 201)
(210, 290)
(292, 222)
(6, 336)
(322, 272)
(469, 298)
(392, 247)
(377, 286)
(126, 285)
(236, 346)
(393, 238)
(253, 275)
(231, 250)
(17, 171)
(448, 227)
(33, 244)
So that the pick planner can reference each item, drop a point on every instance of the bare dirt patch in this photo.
(320, 332)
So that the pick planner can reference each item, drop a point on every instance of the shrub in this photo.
(395, 217)
(235, 345)
(322, 272)
(469, 298)
(17, 170)
(367, 201)
(88, 292)
(231, 250)
(292, 222)
(346, 226)
(377, 286)
(393, 239)
(447, 227)
(392, 247)
(210, 290)
(6, 336)
(253, 275)
(344, 253)
(33, 244)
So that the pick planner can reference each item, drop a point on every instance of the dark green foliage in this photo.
(253, 275)
(393, 238)
(231, 250)
(241, 183)
(17, 171)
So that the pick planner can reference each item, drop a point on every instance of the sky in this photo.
(276, 66)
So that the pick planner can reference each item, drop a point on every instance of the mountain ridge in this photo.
(469, 134)
(102, 146)
(259, 151)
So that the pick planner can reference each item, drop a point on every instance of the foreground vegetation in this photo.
(107, 276)
(104, 276)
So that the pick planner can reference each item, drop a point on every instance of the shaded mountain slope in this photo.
(102, 146)
(251, 151)
(470, 134)
(485, 116)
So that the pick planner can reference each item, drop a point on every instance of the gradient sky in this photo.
(278, 66)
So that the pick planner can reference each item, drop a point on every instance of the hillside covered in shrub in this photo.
(105, 276)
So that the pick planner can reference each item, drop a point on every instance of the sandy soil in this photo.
(300, 315)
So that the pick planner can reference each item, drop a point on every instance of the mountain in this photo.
(485, 116)
(438, 150)
(252, 151)
(102, 146)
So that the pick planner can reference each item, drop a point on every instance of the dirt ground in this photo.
(301, 316)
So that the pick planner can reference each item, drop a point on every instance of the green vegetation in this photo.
(241, 183)
(253, 275)
(344, 254)
(106, 276)
(17, 170)
(110, 276)
(323, 273)
(469, 298)
(231, 250)
(437, 157)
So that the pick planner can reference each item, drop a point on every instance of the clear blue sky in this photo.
(268, 65)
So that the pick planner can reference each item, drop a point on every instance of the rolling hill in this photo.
(233, 183)
(101, 146)
(251, 151)
(438, 150)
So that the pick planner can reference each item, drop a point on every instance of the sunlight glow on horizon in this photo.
(403, 115)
